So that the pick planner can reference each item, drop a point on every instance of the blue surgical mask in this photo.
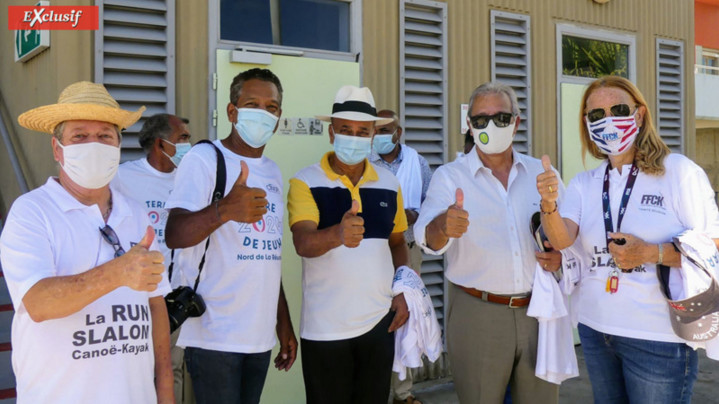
(383, 144)
(255, 126)
(352, 150)
(180, 150)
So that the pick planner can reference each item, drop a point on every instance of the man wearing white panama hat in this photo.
(347, 220)
(82, 268)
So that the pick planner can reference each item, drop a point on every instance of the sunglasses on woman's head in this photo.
(501, 120)
(616, 110)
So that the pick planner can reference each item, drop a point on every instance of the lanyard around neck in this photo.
(608, 227)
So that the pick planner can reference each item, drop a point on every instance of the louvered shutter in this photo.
(423, 104)
(670, 85)
(510, 58)
(135, 59)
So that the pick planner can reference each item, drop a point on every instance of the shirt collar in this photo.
(475, 164)
(369, 173)
(66, 202)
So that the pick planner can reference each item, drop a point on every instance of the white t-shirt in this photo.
(240, 281)
(659, 208)
(150, 188)
(102, 353)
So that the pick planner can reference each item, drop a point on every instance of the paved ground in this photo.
(578, 389)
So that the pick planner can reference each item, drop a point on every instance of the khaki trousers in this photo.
(491, 346)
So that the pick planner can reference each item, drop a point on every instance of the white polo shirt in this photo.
(660, 207)
(102, 353)
(240, 282)
(497, 252)
(150, 188)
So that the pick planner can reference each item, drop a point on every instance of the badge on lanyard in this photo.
(613, 279)
(613, 282)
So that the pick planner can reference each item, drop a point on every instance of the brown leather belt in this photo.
(514, 302)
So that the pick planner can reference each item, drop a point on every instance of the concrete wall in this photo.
(37, 82)
(192, 77)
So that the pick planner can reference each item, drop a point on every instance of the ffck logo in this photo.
(53, 18)
(653, 200)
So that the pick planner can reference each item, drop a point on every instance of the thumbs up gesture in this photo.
(547, 181)
(351, 227)
(457, 219)
(141, 269)
(242, 203)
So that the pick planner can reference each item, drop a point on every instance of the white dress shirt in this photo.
(497, 252)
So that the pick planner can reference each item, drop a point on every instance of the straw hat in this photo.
(79, 101)
(354, 104)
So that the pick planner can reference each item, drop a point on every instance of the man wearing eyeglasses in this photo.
(81, 265)
(478, 210)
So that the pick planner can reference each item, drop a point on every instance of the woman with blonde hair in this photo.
(625, 213)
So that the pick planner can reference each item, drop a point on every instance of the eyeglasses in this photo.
(501, 120)
(111, 237)
(616, 110)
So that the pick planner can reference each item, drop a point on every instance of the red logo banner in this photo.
(53, 18)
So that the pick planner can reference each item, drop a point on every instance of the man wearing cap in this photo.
(347, 220)
(228, 348)
(478, 209)
(81, 265)
(165, 139)
(413, 173)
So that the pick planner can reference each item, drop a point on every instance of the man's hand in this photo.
(550, 261)
(351, 227)
(142, 269)
(401, 312)
(242, 203)
(547, 183)
(456, 220)
(412, 216)
(288, 348)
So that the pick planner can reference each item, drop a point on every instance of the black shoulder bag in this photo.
(184, 302)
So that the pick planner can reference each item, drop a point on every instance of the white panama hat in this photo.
(354, 104)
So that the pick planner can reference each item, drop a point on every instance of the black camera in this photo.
(182, 303)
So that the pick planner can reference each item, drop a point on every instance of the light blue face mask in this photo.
(383, 144)
(352, 150)
(255, 126)
(180, 150)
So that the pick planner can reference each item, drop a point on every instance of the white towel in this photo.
(556, 359)
(421, 333)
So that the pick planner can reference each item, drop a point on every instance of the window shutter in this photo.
(510, 58)
(423, 104)
(135, 59)
(670, 85)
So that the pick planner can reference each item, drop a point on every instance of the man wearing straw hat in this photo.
(347, 220)
(82, 268)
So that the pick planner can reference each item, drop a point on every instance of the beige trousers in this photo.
(490, 346)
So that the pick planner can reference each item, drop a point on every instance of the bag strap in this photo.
(217, 194)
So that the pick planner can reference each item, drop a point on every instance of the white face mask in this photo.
(493, 140)
(90, 165)
(255, 126)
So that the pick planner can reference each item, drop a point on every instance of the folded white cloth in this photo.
(556, 359)
(693, 280)
(574, 261)
(421, 333)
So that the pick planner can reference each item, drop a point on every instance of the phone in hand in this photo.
(535, 226)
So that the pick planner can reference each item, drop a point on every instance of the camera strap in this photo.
(217, 194)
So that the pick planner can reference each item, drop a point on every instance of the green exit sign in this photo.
(29, 43)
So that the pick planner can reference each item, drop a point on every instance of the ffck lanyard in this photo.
(608, 227)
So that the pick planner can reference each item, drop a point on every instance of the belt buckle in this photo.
(511, 302)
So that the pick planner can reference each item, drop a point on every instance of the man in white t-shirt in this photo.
(165, 139)
(90, 321)
(478, 210)
(227, 349)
